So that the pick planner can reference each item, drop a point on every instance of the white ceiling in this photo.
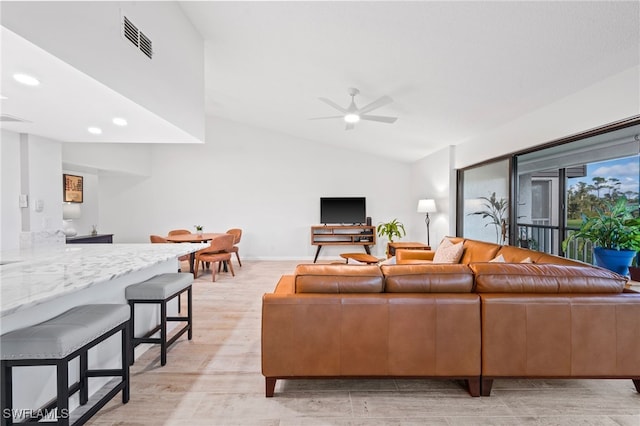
(454, 69)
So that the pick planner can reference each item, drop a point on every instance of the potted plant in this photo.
(390, 230)
(634, 269)
(198, 230)
(615, 234)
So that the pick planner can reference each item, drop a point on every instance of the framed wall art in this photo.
(72, 185)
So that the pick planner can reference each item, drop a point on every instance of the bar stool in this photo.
(159, 290)
(58, 341)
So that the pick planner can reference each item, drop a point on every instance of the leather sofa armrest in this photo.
(414, 256)
(286, 285)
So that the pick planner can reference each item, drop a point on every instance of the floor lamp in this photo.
(427, 206)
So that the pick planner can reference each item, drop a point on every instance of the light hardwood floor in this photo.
(215, 379)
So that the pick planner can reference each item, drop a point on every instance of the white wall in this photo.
(269, 184)
(31, 165)
(607, 101)
(10, 222)
(430, 178)
(87, 35)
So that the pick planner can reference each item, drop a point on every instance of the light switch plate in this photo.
(23, 201)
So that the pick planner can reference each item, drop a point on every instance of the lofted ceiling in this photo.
(454, 69)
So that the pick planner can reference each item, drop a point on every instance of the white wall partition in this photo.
(87, 35)
(10, 224)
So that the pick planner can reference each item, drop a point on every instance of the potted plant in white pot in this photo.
(615, 233)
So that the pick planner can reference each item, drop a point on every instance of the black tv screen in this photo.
(343, 210)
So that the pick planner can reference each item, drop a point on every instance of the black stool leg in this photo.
(163, 332)
(189, 314)
(6, 397)
(126, 342)
(62, 371)
(132, 333)
(84, 381)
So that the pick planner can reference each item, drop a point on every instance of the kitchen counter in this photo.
(31, 277)
(38, 284)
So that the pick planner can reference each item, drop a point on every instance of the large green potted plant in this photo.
(614, 231)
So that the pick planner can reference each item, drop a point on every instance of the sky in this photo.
(626, 169)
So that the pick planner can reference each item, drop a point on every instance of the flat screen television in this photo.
(343, 210)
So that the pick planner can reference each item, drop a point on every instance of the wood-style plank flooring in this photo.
(215, 379)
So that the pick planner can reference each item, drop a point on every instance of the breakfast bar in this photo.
(39, 284)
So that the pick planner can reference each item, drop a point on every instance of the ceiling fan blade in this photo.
(379, 118)
(385, 100)
(324, 118)
(333, 104)
(349, 126)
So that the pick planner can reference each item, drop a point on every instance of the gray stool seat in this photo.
(160, 286)
(64, 334)
(159, 290)
(56, 342)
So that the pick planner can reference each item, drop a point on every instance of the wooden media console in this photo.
(342, 235)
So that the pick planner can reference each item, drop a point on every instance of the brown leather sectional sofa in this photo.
(476, 321)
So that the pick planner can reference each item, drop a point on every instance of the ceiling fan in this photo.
(352, 114)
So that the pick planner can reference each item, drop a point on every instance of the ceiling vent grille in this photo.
(137, 37)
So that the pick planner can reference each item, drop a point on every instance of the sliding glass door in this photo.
(557, 185)
(534, 199)
(485, 202)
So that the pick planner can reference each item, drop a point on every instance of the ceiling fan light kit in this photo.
(352, 114)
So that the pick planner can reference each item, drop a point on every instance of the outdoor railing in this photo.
(546, 238)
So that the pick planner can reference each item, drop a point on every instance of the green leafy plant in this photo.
(613, 226)
(391, 229)
(198, 227)
(496, 211)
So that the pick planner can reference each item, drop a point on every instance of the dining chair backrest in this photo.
(237, 233)
(223, 242)
(157, 239)
(179, 232)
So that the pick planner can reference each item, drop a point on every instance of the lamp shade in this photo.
(71, 211)
(427, 206)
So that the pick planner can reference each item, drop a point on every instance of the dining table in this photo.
(194, 238)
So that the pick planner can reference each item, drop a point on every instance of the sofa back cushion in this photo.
(478, 251)
(544, 278)
(427, 278)
(338, 279)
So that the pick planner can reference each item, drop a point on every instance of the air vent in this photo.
(6, 118)
(137, 37)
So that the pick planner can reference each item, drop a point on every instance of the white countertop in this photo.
(36, 275)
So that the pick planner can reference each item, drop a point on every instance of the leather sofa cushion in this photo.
(544, 278)
(478, 251)
(427, 278)
(338, 279)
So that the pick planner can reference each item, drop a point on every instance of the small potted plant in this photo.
(198, 230)
(390, 230)
(615, 234)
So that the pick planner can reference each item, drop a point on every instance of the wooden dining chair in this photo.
(178, 232)
(219, 251)
(237, 234)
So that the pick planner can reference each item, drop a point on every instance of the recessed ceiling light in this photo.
(26, 79)
(94, 130)
(118, 121)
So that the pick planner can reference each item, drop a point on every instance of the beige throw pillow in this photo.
(498, 259)
(447, 252)
(526, 260)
